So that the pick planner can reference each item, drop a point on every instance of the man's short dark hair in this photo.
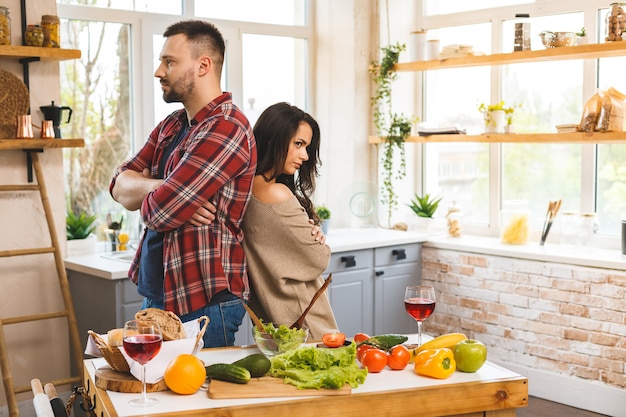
(204, 38)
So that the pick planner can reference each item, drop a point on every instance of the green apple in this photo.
(469, 355)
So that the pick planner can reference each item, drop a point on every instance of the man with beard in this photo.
(192, 181)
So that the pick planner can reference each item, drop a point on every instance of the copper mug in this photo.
(47, 129)
(24, 126)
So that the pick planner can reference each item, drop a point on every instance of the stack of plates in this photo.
(14, 101)
(567, 128)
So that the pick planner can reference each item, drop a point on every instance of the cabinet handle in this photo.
(349, 261)
(379, 273)
(399, 254)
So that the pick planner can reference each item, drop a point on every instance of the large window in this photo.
(116, 100)
(588, 178)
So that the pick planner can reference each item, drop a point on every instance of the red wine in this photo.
(142, 347)
(419, 308)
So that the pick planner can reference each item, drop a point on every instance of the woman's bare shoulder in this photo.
(271, 193)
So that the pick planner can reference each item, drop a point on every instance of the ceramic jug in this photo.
(55, 113)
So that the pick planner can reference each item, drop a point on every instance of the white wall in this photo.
(29, 284)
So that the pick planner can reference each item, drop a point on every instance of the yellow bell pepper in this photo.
(435, 363)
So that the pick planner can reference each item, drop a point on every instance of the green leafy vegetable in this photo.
(284, 337)
(310, 367)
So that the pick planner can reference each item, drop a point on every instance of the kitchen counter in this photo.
(492, 389)
(104, 265)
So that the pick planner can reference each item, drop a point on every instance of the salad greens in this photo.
(285, 337)
(311, 367)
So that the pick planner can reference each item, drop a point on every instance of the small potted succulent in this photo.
(79, 230)
(324, 214)
(424, 207)
(581, 37)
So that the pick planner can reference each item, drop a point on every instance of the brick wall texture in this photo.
(559, 318)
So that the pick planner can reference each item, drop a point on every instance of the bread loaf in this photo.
(115, 337)
(171, 325)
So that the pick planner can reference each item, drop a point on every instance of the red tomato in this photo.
(361, 350)
(360, 337)
(334, 340)
(374, 360)
(399, 357)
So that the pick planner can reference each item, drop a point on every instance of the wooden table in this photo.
(491, 392)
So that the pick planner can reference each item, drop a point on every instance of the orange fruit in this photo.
(185, 374)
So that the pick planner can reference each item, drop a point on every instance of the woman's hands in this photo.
(316, 231)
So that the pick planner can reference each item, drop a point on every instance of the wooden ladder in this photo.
(7, 378)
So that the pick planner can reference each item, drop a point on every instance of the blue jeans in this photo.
(224, 320)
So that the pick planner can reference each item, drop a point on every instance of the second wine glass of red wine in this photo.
(419, 302)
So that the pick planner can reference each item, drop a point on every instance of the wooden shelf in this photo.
(589, 51)
(533, 138)
(23, 144)
(37, 52)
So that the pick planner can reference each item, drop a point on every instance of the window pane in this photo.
(437, 7)
(97, 89)
(283, 80)
(279, 12)
(611, 170)
(152, 6)
(459, 171)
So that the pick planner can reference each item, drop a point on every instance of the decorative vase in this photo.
(324, 225)
(494, 121)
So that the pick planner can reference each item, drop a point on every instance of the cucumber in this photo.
(385, 341)
(228, 372)
(257, 363)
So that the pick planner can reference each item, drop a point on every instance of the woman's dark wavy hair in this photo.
(273, 132)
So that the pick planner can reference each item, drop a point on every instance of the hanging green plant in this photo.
(393, 128)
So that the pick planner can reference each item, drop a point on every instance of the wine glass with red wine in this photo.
(419, 302)
(142, 342)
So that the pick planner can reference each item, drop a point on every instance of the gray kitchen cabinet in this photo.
(351, 292)
(395, 268)
(102, 304)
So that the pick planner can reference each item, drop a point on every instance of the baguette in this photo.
(171, 325)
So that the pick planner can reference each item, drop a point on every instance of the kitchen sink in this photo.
(122, 256)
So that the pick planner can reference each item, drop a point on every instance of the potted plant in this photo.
(324, 214)
(581, 37)
(79, 232)
(494, 116)
(424, 207)
(392, 127)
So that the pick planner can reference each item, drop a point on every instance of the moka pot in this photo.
(55, 113)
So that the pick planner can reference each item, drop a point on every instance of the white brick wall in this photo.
(563, 319)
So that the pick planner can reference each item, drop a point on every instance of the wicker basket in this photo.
(116, 359)
(14, 101)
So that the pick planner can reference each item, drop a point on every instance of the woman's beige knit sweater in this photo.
(285, 264)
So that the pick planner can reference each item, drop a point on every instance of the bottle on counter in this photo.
(454, 220)
(51, 31)
(515, 222)
(5, 26)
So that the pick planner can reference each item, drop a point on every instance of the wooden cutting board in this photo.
(107, 378)
(267, 386)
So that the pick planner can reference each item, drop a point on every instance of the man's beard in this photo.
(180, 89)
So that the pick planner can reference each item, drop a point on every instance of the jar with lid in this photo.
(570, 228)
(615, 23)
(589, 225)
(515, 222)
(453, 219)
(51, 31)
(33, 36)
(5, 26)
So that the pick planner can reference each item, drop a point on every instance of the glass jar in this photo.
(515, 222)
(5, 26)
(570, 228)
(51, 31)
(615, 23)
(454, 220)
(588, 227)
(33, 36)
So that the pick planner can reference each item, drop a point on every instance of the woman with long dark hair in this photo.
(286, 255)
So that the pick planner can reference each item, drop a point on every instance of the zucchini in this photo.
(385, 341)
(256, 363)
(228, 372)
